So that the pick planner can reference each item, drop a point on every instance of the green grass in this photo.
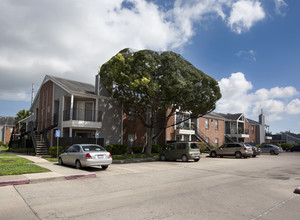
(6, 155)
(2, 148)
(16, 165)
(130, 156)
(51, 159)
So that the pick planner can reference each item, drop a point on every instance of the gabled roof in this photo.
(225, 117)
(73, 87)
(7, 121)
(253, 122)
(232, 116)
(214, 115)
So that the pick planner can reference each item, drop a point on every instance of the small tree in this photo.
(21, 115)
(156, 83)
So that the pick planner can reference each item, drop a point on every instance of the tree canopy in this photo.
(153, 82)
(21, 115)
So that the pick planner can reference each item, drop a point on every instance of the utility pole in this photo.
(32, 93)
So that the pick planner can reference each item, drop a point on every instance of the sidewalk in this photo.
(57, 172)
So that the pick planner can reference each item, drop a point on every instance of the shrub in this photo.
(137, 150)
(116, 149)
(53, 150)
(155, 148)
(203, 147)
(287, 145)
(1, 143)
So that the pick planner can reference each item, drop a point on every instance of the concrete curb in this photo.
(14, 182)
(76, 176)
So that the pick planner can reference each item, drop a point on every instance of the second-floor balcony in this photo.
(184, 129)
(237, 133)
(82, 118)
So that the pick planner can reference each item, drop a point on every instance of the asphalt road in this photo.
(213, 188)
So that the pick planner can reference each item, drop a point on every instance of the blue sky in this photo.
(250, 46)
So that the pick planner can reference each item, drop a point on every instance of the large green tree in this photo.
(154, 82)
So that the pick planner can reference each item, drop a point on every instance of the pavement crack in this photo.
(274, 207)
(26, 203)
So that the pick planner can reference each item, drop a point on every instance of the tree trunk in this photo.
(149, 140)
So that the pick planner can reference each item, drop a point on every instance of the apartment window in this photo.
(217, 141)
(131, 114)
(84, 111)
(217, 124)
(207, 140)
(207, 123)
(252, 129)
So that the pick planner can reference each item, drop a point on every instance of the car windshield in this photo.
(92, 148)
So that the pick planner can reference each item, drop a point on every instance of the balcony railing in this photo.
(83, 115)
(239, 131)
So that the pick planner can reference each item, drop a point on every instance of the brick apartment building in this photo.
(82, 111)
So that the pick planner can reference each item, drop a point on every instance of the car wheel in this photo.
(104, 167)
(184, 158)
(196, 160)
(238, 154)
(60, 161)
(162, 157)
(78, 164)
(213, 154)
(272, 152)
(253, 155)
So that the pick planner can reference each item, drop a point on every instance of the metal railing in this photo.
(82, 115)
(234, 131)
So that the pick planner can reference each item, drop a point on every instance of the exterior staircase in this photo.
(41, 147)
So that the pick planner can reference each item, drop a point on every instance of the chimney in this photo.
(97, 84)
(261, 118)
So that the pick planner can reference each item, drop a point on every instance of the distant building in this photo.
(6, 127)
(285, 137)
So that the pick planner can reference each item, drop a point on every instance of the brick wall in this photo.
(212, 132)
(45, 105)
(8, 130)
(135, 127)
(170, 131)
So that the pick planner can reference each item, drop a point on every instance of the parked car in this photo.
(181, 150)
(256, 150)
(232, 149)
(295, 148)
(85, 155)
(271, 149)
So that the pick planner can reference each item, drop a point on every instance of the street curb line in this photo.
(76, 176)
(14, 182)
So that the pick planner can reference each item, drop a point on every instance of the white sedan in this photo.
(85, 155)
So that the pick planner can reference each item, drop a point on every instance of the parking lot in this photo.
(213, 188)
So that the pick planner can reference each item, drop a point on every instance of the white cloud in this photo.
(234, 94)
(244, 14)
(293, 107)
(276, 92)
(248, 55)
(238, 98)
(72, 38)
(280, 5)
